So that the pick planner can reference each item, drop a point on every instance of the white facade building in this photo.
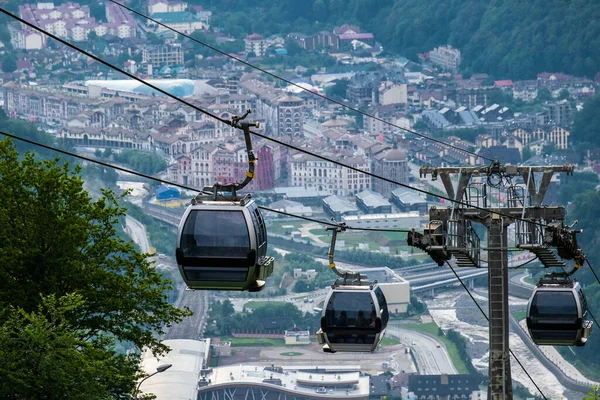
(446, 56)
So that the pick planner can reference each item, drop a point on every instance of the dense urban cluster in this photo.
(344, 96)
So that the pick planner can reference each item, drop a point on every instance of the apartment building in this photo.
(168, 54)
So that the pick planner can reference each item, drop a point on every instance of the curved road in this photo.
(431, 359)
(137, 231)
(191, 327)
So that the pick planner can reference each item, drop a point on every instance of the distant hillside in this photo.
(505, 38)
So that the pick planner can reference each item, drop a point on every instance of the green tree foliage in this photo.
(338, 89)
(100, 175)
(9, 63)
(44, 355)
(54, 240)
(146, 163)
(416, 306)
(586, 124)
(513, 39)
(228, 320)
(161, 235)
(580, 182)
(587, 209)
(594, 394)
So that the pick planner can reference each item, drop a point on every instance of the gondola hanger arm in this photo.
(345, 274)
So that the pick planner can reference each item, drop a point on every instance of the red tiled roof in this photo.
(503, 83)
(254, 36)
(358, 36)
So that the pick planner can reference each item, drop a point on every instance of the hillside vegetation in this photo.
(505, 38)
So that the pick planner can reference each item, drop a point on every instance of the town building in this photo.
(166, 54)
(446, 387)
(166, 6)
(559, 113)
(256, 44)
(408, 220)
(370, 202)
(290, 116)
(29, 39)
(182, 21)
(391, 164)
(338, 207)
(446, 57)
(71, 21)
(295, 337)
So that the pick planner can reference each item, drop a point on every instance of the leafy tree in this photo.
(92, 36)
(548, 148)
(98, 11)
(293, 48)
(45, 356)
(146, 163)
(338, 89)
(544, 95)
(563, 94)
(580, 182)
(594, 394)
(227, 308)
(54, 240)
(586, 131)
(9, 63)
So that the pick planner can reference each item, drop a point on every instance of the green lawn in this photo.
(433, 329)
(277, 227)
(253, 305)
(291, 354)
(387, 341)
(252, 342)
(519, 315)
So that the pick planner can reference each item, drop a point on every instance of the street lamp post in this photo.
(159, 369)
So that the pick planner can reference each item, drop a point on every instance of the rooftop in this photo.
(179, 381)
(339, 204)
(305, 380)
(372, 199)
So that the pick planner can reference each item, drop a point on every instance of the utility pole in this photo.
(493, 201)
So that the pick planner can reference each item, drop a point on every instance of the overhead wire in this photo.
(166, 182)
(569, 279)
(230, 123)
(300, 86)
(488, 319)
(592, 269)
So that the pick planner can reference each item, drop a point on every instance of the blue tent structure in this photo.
(166, 192)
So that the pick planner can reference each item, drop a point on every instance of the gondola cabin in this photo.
(557, 314)
(354, 318)
(222, 245)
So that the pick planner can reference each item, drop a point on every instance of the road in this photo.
(191, 327)
(431, 359)
(137, 232)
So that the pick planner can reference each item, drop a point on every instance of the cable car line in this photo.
(590, 311)
(231, 123)
(592, 269)
(166, 182)
(486, 317)
(300, 87)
